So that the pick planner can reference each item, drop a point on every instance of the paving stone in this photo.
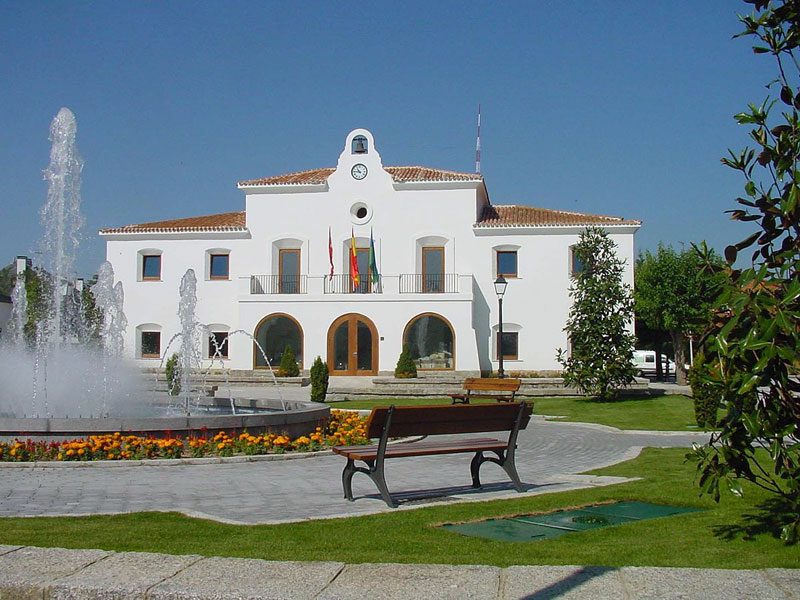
(420, 582)
(246, 578)
(698, 584)
(119, 576)
(27, 572)
(567, 582)
(787, 580)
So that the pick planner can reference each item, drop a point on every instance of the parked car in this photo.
(645, 361)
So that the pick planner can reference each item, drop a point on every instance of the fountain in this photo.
(63, 372)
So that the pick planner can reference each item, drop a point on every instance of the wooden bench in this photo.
(494, 388)
(403, 421)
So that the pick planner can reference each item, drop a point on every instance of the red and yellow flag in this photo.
(354, 278)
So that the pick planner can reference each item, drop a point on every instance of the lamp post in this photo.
(500, 289)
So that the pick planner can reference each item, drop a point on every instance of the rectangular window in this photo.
(575, 263)
(433, 269)
(151, 266)
(151, 344)
(508, 345)
(218, 344)
(219, 266)
(507, 263)
(289, 265)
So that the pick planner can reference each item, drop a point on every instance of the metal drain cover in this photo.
(532, 528)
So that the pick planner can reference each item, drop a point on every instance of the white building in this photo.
(439, 244)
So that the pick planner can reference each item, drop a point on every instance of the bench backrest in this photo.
(437, 420)
(491, 384)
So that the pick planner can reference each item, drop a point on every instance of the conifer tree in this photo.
(405, 364)
(599, 322)
(288, 366)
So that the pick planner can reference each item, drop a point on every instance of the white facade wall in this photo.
(402, 218)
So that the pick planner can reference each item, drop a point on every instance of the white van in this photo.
(645, 362)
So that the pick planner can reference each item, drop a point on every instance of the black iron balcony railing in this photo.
(427, 283)
(278, 284)
(343, 284)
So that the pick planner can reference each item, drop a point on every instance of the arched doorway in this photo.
(353, 346)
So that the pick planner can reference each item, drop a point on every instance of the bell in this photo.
(360, 145)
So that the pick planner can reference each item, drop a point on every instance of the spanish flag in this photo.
(354, 278)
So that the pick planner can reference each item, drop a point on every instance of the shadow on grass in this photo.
(771, 516)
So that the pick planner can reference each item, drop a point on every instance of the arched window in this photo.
(273, 334)
(431, 341)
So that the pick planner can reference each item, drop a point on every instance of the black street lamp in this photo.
(500, 289)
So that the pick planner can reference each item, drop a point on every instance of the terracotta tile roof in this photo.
(406, 174)
(301, 177)
(399, 174)
(234, 221)
(529, 216)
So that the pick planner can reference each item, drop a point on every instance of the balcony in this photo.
(278, 284)
(419, 283)
(450, 286)
(342, 284)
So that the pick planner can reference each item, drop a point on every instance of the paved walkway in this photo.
(56, 573)
(550, 458)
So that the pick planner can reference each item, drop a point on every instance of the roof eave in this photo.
(282, 188)
(177, 233)
(457, 184)
(552, 227)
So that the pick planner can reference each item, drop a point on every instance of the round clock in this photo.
(358, 171)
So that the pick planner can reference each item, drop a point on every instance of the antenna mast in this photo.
(478, 144)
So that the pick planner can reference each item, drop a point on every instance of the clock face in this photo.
(359, 171)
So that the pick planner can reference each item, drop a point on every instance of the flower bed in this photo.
(342, 428)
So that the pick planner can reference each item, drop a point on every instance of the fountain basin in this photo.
(299, 418)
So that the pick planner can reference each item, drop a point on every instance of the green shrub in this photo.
(288, 366)
(172, 372)
(405, 365)
(707, 396)
(319, 380)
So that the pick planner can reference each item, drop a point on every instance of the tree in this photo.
(8, 277)
(754, 337)
(598, 326)
(673, 295)
(406, 368)
(319, 380)
(288, 366)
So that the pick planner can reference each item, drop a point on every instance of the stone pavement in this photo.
(249, 490)
(56, 573)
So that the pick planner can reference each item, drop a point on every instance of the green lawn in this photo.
(737, 533)
(661, 413)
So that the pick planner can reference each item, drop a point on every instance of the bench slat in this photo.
(423, 449)
(492, 384)
(446, 419)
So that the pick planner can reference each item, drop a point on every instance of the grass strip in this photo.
(656, 413)
(738, 533)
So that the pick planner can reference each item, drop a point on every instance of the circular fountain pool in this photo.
(299, 418)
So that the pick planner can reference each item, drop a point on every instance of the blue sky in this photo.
(609, 107)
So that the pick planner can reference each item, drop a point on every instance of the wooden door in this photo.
(353, 346)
